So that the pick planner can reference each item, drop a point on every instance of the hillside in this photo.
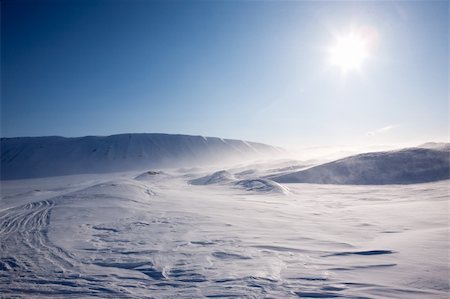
(407, 166)
(30, 157)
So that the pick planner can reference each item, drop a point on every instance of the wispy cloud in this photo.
(380, 130)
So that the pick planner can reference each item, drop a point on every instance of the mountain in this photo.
(443, 146)
(407, 166)
(31, 157)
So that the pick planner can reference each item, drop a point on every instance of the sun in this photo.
(351, 50)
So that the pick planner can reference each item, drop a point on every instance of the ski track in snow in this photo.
(166, 238)
(31, 265)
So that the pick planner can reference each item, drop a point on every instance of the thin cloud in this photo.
(380, 130)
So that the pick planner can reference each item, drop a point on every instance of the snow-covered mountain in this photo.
(407, 166)
(29, 157)
(443, 146)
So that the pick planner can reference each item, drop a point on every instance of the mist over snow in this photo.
(139, 215)
(407, 166)
(208, 232)
(28, 157)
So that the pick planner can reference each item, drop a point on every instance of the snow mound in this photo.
(151, 175)
(246, 173)
(218, 177)
(407, 166)
(262, 185)
(118, 188)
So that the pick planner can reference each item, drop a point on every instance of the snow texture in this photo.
(113, 236)
(218, 177)
(262, 185)
(228, 232)
(407, 166)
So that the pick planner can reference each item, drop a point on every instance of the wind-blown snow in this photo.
(110, 235)
(218, 177)
(262, 185)
(152, 175)
(33, 157)
(436, 146)
(408, 166)
(202, 232)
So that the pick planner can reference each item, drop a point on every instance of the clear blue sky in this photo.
(237, 69)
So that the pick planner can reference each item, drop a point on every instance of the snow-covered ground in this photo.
(193, 233)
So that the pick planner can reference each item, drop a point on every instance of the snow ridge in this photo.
(407, 166)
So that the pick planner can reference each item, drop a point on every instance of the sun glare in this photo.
(350, 50)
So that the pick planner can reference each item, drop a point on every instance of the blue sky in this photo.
(248, 70)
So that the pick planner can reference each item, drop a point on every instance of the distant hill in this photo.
(31, 157)
(436, 145)
(407, 166)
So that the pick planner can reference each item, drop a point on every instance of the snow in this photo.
(33, 157)
(407, 166)
(443, 146)
(252, 183)
(262, 185)
(152, 175)
(218, 177)
(205, 232)
(124, 235)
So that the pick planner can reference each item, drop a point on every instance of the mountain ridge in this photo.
(405, 166)
(30, 157)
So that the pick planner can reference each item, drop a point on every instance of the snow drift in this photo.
(111, 236)
(151, 176)
(262, 185)
(407, 166)
(30, 157)
(218, 177)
